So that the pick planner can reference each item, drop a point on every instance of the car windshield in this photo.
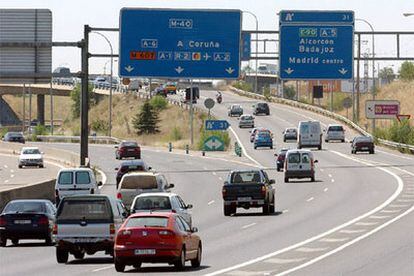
(25, 207)
(129, 144)
(65, 178)
(82, 178)
(137, 181)
(245, 177)
(15, 135)
(263, 134)
(335, 128)
(31, 151)
(247, 118)
(152, 203)
(363, 139)
(147, 222)
(262, 104)
(85, 209)
(294, 158)
(130, 168)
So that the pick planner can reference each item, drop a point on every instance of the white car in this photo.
(335, 132)
(246, 120)
(30, 156)
(162, 202)
(299, 164)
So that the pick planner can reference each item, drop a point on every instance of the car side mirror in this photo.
(100, 183)
(189, 206)
(350, 142)
(194, 229)
(116, 147)
(272, 181)
(116, 169)
(170, 186)
(316, 161)
(226, 183)
(125, 214)
(149, 168)
(275, 154)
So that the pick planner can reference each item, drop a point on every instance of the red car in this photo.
(128, 149)
(156, 238)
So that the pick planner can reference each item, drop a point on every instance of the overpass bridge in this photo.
(263, 80)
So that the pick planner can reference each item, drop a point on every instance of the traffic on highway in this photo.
(272, 177)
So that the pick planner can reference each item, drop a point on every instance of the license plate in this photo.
(131, 150)
(364, 148)
(244, 198)
(144, 251)
(23, 221)
(84, 240)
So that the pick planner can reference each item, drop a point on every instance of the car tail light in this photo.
(112, 229)
(43, 221)
(224, 192)
(165, 233)
(3, 221)
(263, 190)
(126, 232)
(312, 164)
(280, 158)
(119, 196)
(55, 229)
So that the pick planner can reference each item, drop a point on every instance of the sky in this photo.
(69, 17)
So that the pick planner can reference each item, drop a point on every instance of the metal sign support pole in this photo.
(191, 113)
(84, 97)
(358, 79)
(332, 95)
(51, 108)
(353, 100)
(30, 109)
(24, 107)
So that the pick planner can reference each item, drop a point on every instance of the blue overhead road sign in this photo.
(169, 43)
(316, 44)
(246, 46)
(217, 125)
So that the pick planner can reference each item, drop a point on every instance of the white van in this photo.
(309, 135)
(75, 181)
(299, 164)
(136, 183)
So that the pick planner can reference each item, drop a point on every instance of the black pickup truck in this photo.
(248, 189)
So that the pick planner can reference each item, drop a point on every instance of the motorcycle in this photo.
(219, 99)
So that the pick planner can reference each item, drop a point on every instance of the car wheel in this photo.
(227, 210)
(284, 140)
(49, 240)
(62, 255)
(79, 255)
(272, 207)
(265, 209)
(271, 147)
(343, 140)
(197, 261)
(268, 113)
(119, 266)
(3, 242)
(180, 263)
(326, 141)
(255, 147)
(278, 169)
(319, 147)
(312, 179)
(15, 241)
(137, 265)
(371, 152)
(286, 179)
(20, 166)
(41, 166)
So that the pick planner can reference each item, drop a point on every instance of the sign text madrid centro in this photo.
(179, 43)
(316, 44)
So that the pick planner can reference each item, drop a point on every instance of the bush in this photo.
(289, 92)
(99, 126)
(407, 71)
(401, 132)
(176, 134)
(159, 103)
(242, 85)
(3, 132)
(40, 130)
(266, 93)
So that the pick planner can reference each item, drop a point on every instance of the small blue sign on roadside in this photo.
(316, 44)
(179, 43)
(216, 125)
(246, 46)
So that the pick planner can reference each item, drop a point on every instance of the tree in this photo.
(387, 73)
(407, 71)
(75, 95)
(289, 92)
(146, 121)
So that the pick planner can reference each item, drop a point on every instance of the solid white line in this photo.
(211, 202)
(243, 148)
(310, 199)
(103, 268)
(284, 261)
(104, 178)
(369, 213)
(249, 225)
(325, 190)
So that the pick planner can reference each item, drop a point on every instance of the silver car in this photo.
(335, 132)
(246, 120)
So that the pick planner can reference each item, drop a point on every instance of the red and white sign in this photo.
(401, 117)
(382, 109)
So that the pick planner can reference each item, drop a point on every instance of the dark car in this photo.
(261, 108)
(14, 137)
(27, 219)
(290, 133)
(235, 110)
(362, 143)
(128, 149)
(130, 166)
(280, 161)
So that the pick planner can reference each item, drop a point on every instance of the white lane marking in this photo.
(334, 239)
(249, 273)
(332, 180)
(12, 175)
(6, 181)
(324, 234)
(379, 217)
(284, 261)
(405, 200)
(211, 202)
(330, 175)
(325, 190)
(390, 211)
(12, 171)
(220, 178)
(243, 148)
(249, 225)
(407, 196)
(310, 199)
(311, 249)
(366, 223)
(285, 211)
(345, 231)
(103, 268)
(214, 173)
(104, 178)
(6, 165)
(398, 205)
(322, 170)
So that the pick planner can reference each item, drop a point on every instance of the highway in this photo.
(356, 219)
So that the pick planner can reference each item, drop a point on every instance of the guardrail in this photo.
(76, 139)
(394, 145)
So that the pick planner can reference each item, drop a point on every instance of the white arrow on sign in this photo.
(230, 70)
(179, 69)
(214, 144)
(129, 68)
(289, 71)
(343, 71)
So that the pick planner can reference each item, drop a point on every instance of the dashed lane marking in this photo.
(103, 268)
(249, 225)
(310, 199)
(379, 217)
(366, 223)
(332, 240)
(346, 231)
(211, 202)
(284, 261)
(325, 190)
(390, 211)
(311, 249)
(332, 180)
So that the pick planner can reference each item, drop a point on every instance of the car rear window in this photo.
(294, 158)
(92, 209)
(305, 158)
(262, 104)
(130, 168)
(363, 139)
(335, 128)
(147, 222)
(152, 203)
(245, 177)
(129, 144)
(83, 178)
(31, 151)
(139, 182)
(65, 178)
(25, 207)
(247, 118)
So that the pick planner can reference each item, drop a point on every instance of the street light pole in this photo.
(110, 83)
(406, 14)
(373, 66)
(257, 47)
